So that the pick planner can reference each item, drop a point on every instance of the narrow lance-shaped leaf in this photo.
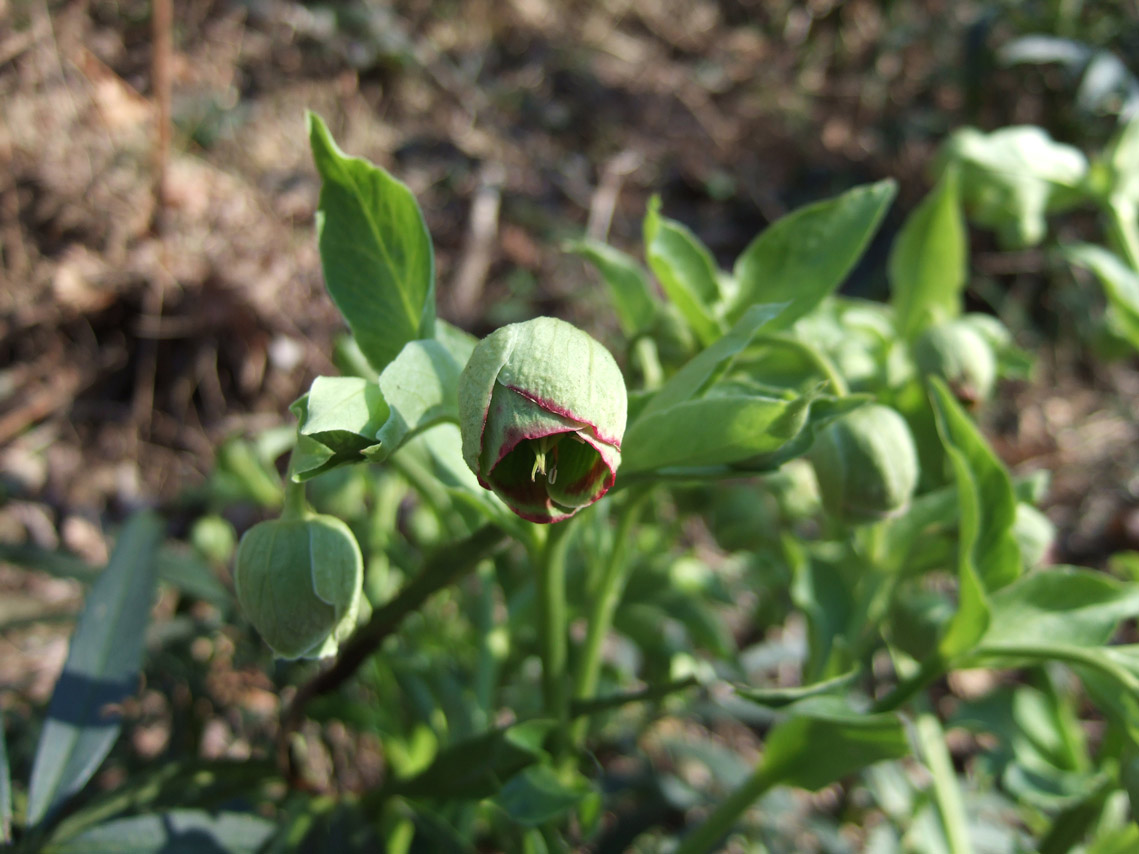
(379, 266)
(686, 271)
(803, 257)
(1065, 605)
(101, 670)
(1120, 284)
(695, 376)
(173, 831)
(995, 551)
(627, 282)
(971, 619)
(927, 263)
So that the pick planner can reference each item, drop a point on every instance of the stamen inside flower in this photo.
(543, 446)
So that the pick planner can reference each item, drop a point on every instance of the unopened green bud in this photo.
(298, 581)
(542, 410)
(866, 464)
(214, 539)
(960, 355)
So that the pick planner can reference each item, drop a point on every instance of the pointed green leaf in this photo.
(803, 257)
(810, 751)
(174, 832)
(1061, 605)
(538, 795)
(1120, 284)
(686, 271)
(478, 767)
(695, 376)
(379, 266)
(993, 540)
(344, 420)
(928, 261)
(101, 670)
(972, 617)
(711, 431)
(627, 281)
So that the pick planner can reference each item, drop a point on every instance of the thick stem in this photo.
(606, 597)
(551, 583)
(723, 818)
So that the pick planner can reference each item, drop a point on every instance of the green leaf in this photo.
(803, 257)
(206, 783)
(927, 264)
(972, 617)
(177, 567)
(379, 266)
(344, 420)
(477, 767)
(174, 832)
(993, 539)
(538, 795)
(686, 271)
(946, 789)
(100, 672)
(810, 751)
(776, 698)
(5, 790)
(699, 372)
(1062, 605)
(627, 282)
(711, 431)
(1120, 284)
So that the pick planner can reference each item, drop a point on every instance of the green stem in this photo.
(605, 600)
(1123, 223)
(580, 709)
(946, 792)
(723, 818)
(930, 670)
(296, 507)
(821, 363)
(552, 628)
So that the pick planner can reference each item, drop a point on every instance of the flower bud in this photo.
(866, 464)
(542, 410)
(958, 353)
(298, 581)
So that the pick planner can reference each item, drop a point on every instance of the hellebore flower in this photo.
(866, 464)
(542, 409)
(299, 582)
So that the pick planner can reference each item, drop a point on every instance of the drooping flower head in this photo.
(542, 410)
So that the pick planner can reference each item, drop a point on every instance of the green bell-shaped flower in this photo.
(542, 409)
(298, 580)
(866, 464)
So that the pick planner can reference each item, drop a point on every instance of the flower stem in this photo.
(821, 363)
(552, 629)
(721, 820)
(605, 600)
